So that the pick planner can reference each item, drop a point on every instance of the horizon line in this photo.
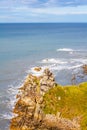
(38, 22)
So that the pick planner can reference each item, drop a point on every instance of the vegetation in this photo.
(70, 101)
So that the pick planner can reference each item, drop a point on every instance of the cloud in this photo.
(36, 10)
(43, 3)
(54, 3)
(44, 7)
(29, 2)
(73, 2)
(50, 11)
(58, 11)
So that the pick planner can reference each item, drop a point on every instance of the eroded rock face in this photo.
(46, 82)
(37, 69)
(80, 75)
(84, 69)
(30, 103)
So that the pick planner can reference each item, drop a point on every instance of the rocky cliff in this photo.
(30, 105)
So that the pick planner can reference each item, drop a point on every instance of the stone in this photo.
(40, 100)
(52, 78)
(47, 72)
(28, 101)
(37, 112)
(37, 69)
(46, 77)
(31, 108)
(44, 88)
(43, 82)
(84, 69)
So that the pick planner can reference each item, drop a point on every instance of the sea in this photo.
(61, 47)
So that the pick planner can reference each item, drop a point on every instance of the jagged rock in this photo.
(47, 72)
(30, 103)
(47, 81)
(40, 100)
(37, 68)
(84, 69)
(38, 116)
(44, 88)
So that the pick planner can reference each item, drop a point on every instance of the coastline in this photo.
(44, 104)
(59, 47)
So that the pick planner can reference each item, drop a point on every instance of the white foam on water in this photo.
(74, 67)
(12, 92)
(56, 64)
(65, 49)
(80, 60)
(52, 67)
(53, 60)
(37, 73)
(8, 116)
(71, 52)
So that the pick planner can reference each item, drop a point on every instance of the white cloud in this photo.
(29, 1)
(51, 11)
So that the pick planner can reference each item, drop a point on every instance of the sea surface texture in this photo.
(61, 47)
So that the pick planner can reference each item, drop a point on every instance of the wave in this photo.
(52, 60)
(71, 51)
(56, 65)
(80, 60)
(74, 67)
(65, 49)
(8, 116)
(55, 68)
(37, 73)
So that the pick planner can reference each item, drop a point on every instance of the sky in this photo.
(14, 11)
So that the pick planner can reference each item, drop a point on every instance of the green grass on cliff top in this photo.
(70, 101)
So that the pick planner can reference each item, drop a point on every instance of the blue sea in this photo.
(61, 47)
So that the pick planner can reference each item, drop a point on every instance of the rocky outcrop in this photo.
(30, 103)
(84, 69)
(80, 75)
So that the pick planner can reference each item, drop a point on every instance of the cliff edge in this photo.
(42, 104)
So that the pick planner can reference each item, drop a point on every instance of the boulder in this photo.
(84, 69)
(37, 69)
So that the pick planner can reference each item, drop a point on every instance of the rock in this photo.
(38, 114)
(43, 82)
(84, 69)
(44, 88)
(29, 106)
(40, 100)
(28, 101)
(37, 69)
(47, 72)
(50, 83)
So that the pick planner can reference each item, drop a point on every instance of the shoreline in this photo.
(32, 107)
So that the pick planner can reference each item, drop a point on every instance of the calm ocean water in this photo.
(62, 47)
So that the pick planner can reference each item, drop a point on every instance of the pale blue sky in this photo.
(43, 11)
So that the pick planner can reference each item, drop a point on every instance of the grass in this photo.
(70, 101)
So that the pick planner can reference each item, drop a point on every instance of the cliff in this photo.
(42, 104)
